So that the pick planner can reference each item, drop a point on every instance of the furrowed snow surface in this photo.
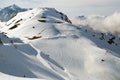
(43, 44)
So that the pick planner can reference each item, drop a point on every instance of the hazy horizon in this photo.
(70, 7)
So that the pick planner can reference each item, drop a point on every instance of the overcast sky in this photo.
(71, 7)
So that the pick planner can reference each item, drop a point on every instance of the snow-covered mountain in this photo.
(43, 44)
(42, 20)
(9, 12)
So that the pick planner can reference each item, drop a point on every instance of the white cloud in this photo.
(104, 24)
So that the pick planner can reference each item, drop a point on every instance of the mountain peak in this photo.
(9, 12)
(13, 6)
(53, 13)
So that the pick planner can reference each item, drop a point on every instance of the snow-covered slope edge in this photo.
(9, 77)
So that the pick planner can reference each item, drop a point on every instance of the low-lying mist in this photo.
(101, 23)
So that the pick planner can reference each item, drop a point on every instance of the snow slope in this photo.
(52, 48)
(20, 59)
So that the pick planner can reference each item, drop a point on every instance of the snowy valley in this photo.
(44, 44)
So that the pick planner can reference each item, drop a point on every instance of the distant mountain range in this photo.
(9, 12)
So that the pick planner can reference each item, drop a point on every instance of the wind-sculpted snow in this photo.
(81, 58)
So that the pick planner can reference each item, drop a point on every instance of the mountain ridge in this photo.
(9, 12)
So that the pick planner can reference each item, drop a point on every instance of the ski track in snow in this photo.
(45, 61)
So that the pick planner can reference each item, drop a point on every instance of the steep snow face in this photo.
(9, 12)
(58, 50)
